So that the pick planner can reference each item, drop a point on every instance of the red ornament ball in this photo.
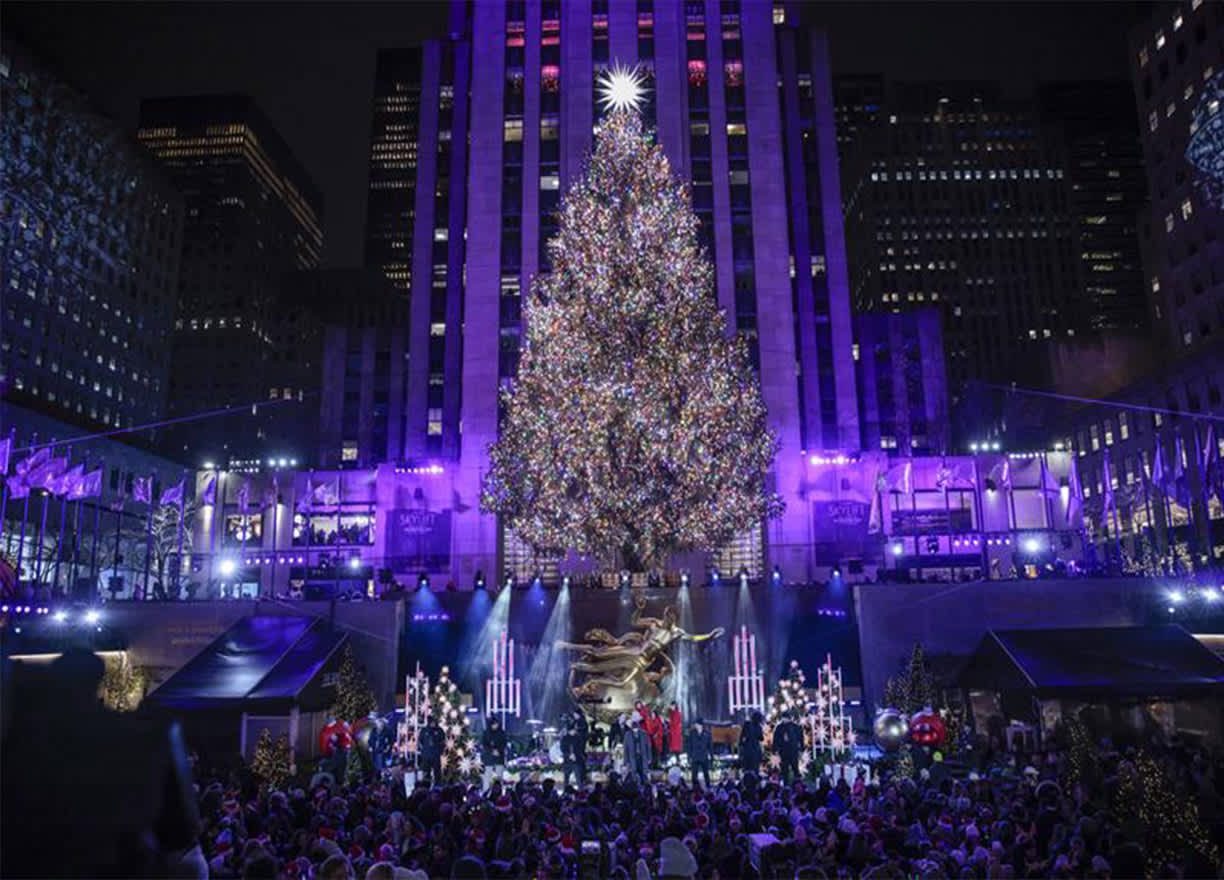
(336, 735)
(927, 729)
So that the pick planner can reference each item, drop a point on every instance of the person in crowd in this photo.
(431, 744)
(570, 746)
(751, 735)
(493, 751)
(88, 792)
(637, 751)
(582, 732)
(675, 730)
(700, 747)
(788, 743)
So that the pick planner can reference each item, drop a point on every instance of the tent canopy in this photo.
(1140, 661)
(261, 661)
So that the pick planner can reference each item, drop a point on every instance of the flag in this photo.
(142, 489)
(172, 494)
(1049, 485)
(89, 486)
(897, 479)
(1108, 502)
(1000, 475)
(34, 461)
(66, 483)
(209, 496)
(244, 497)
(307, 500)
(1075, 493)
(18, 487)
(1181, 481)
(943, 475)
(6, 452)
(1210, 467)
(1158, 477)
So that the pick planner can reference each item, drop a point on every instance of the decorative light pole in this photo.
(746, 685)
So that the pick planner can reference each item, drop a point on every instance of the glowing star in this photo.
(622, 88)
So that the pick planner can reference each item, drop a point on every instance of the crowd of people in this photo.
(111, 795)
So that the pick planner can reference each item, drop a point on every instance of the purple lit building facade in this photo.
(741, 102)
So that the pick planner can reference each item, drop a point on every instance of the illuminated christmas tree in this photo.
(789, 698)
(914, 689)
(273, 759)
(461, 758)
(354, 696)
(635, 427)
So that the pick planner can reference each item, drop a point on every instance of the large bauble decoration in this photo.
(890, 729)
(335, 735)
(927, 729)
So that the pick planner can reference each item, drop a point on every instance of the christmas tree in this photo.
(273, 759)
(354, 696)
(122, 684)
(789, 698)
(460, 759)
(635, 427)
(914, 689)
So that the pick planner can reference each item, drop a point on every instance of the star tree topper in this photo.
(622, 88)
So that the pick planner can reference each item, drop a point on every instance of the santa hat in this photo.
(701, 820)
(356, 852)
(552, 834)
(502, 804)
(675, 859)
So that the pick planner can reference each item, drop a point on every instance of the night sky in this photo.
(311, 65)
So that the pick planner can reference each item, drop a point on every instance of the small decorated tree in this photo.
(273, 759)
(460, 759)
(354, 696)
(790, 696)
(914, 689)
(123, 684)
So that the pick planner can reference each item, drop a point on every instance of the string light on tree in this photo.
(459, 758)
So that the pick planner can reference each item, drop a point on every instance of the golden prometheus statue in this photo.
(612, 674)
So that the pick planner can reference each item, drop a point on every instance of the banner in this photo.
(419, 538)
(934, 521)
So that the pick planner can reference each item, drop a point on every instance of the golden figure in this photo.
(617, 672)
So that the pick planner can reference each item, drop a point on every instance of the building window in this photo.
(1108, 433)
(1153, 121)
(1123, 426)
(1160, 40)
(1187, 209)
(1095, 433)
(1177, 22)
(1168, 222)
(348, 451)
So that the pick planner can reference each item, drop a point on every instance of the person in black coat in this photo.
(699, 746)
(788, 743)
(751, 735)
(430, 745)
(573, 747)
(637, 751)
(493, 751)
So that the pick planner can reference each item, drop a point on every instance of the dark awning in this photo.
(261, 659)
(1140, 661)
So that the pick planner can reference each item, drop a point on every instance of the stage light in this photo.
(1211, 595)
(836, 572)
(715, 577)
(293, 462)
(743, 577)
(684, 578)
(1176, 597)
(565, 582)
(973, 447)
(228, 567)
(624, 578)
(480, 580)
(898, 549)
(777, 575)
(93, 616)
(60, 616)
(1172, 610)
(210, 466)
(994, 447)
(1032, 545)
(354, 563)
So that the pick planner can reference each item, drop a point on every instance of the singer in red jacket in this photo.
(654, 730)
(675, 730)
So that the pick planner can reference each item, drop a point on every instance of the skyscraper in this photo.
(253, 214)
(391, 196)
(90, 237)
(964, 205)
(740, 101)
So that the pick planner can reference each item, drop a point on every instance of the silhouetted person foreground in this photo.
(88, 792)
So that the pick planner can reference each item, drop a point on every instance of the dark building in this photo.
(391, 196)
(1093, 126)
(252, 215)
(363, 363)
(963, 205)
(90, 236)
(902, 382)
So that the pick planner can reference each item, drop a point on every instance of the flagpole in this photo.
(118, 526)
(178, 554)
(1203, 546)
(42, 530)
(93, 555)
(275, 517)
(148, 539)
(217, 509)
(76, 533)
(4, 493)
(59, 542)
(25, 515)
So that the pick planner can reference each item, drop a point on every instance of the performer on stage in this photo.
(788, 743)
(637, 751)
(493, 751)
(675, 730)
(573, 746)
(654, 730)
(700, 747)
(430, 745)
(751, 735)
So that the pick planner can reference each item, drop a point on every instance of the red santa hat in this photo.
(502, 804)
(552, 834)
